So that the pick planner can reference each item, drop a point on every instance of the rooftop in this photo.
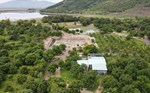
(98, 63)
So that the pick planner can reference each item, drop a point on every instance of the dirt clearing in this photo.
(71, 41)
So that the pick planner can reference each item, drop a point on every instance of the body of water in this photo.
(20, 16)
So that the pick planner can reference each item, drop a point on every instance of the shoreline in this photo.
(5, 10)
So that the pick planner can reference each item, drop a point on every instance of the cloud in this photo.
(4, 1)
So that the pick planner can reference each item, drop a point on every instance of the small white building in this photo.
(95, 63)
(90, 31)
(75, 29)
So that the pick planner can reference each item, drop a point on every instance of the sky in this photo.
(3, 1)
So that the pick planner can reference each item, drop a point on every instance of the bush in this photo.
(8, 88)
(21, 79)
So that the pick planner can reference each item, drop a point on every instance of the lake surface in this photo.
(20, 15)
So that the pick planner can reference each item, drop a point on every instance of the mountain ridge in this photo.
(26, 4)
(96, 6)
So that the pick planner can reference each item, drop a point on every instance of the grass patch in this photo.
(66, 75)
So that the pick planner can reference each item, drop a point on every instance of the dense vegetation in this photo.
(64, 18)
(128, 59)
(22, 56)
(96, 6)
(138, 27)
(135, 27)
(128, 64)
(24, 62)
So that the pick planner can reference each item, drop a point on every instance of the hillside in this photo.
(26, 4)
(97, 6)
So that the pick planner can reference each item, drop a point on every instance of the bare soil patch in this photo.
(71, 41)
(85, 91)
(146, 40)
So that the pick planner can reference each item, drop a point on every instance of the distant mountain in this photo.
(26, 4)
(99, 6)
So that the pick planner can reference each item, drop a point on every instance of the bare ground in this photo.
(146, 40)
(85, 91)
(71, 41)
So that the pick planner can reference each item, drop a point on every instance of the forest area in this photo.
(24, 61)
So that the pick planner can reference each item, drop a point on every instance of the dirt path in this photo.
(98, 90)
(85, 91)
(47, 75)
(58, 72)
(146, 40)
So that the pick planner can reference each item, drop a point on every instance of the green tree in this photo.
(31, 84)
(8, 88)
(89, 79)
(109, 82)
(75, 87)
(42, 86)
(24, 70)
(27, 91)
(52, 68)
(128, 89)
(30, 59)
(21, 79)
(90, 49)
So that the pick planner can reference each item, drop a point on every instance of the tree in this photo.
(57, 50)
(42, 86)
(8, 88)
(31, 84)
(48, 55)
(8, 68)
(21, 79)
(33, 21)
(21, 57)
(77, 70)
(6, 22)
(2, 77)
(52, 68)
(89, 79)
(125, 79)
(85, 21)
(116, 72)
(27, 91)
(90, 49)
(62, 47)
(4, 60)
(23, 70)
(109, 82)
(3, 52)
(75, 87)
(30, 59)
(65, 29)
(128, 89)
(111, 90)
